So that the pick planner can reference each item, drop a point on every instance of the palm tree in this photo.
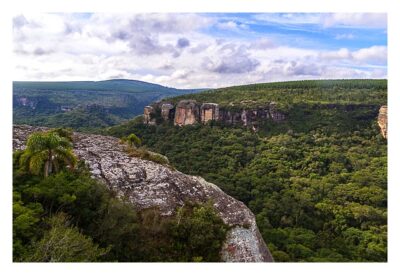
(47, 152)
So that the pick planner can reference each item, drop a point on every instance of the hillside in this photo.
(285, 94)
(147, 186)
(316, 180)
(84, 105)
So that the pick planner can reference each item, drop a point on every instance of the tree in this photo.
(198, 233)
(132, 140)
(63, 243)
(46, 153)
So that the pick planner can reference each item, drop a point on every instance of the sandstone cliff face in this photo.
(147, 184)
(147, 113)
(209, 111)
(382, 120)
(167, 111)
(187, 113)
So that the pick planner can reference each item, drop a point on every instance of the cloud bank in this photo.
(199, 50)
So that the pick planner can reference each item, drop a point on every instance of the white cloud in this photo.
(327, 20)
(375, 54)
(289, 18)
(232, 26)
(174, 50)
(344, 36)
(361, 20)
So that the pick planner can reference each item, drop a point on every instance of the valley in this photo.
(308, 158)
(84, 105)
(316, 180)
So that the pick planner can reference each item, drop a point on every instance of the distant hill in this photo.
(85, 104)
(285, 94)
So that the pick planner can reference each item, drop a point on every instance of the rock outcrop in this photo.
(147, 115)
(209, 111)
(167, 111)
(382, 120)
(188, 112)
(147, 184)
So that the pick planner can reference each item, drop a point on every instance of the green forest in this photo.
(85, 105)
(317, 182)
(61, 214)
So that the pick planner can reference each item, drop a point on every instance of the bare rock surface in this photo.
(189, 112)
(147, 184)
(382, 120)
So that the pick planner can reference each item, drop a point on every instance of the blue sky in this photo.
(187, 50)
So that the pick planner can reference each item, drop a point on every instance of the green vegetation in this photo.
(46, 152)
(70, 217)
(84, 105)
(286, 94)
(317, 182)
(132, 140)
(134, 150)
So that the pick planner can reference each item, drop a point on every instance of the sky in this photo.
(199, 50)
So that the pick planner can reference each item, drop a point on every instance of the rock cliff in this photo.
(189, 112)
(382, 120)
(147, 184)
(147, 115)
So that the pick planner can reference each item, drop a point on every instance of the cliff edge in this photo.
(147, 184)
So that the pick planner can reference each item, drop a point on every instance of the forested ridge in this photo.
(84, 105)
(317, 182)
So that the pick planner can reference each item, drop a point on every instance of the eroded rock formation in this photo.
(382, 120)
(147, 115)
(209, 111)
(189, 112)
(186, 113)
(167, 111)
(147, 184)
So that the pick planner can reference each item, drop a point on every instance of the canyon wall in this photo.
(188, 112)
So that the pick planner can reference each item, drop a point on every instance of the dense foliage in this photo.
(317, 182)
(286, 94)
(70, 217)
(84, 105)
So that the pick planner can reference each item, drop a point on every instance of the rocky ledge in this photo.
(147, 184)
